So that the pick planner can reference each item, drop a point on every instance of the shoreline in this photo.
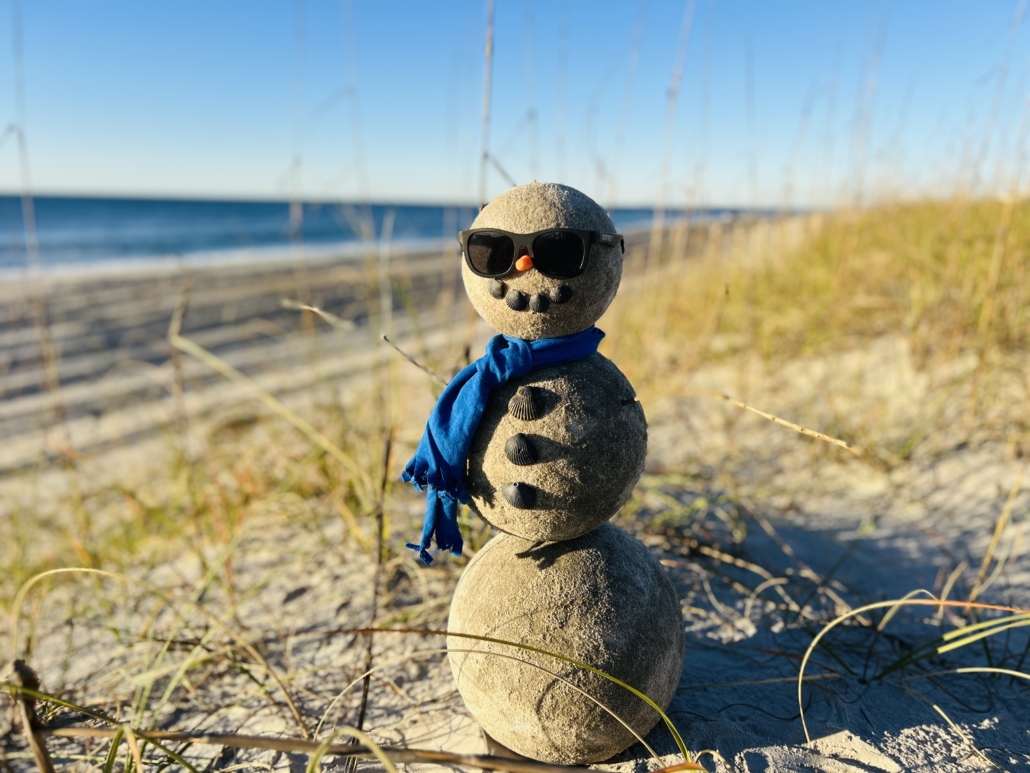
(219, 259)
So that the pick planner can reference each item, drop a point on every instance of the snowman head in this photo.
(541, 261)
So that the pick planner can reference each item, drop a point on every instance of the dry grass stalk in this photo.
(332, 320)
(405, 756)
(999, 529)
(178, 382)
(23, 676)
(791, 425)
(376, 582)
(416, 363)
(272, 403)
(966, 739)
(998, 626)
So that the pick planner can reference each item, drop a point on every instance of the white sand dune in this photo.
(768, 536)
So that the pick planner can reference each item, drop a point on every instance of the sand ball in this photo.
(601, 599)
(528, 304)
(570, 465)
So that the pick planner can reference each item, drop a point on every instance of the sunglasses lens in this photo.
(491, 254)
(559, 253)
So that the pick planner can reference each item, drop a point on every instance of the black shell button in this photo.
(519, 450)
(539, 302)
(520, 495)
(523, 404)
(560, 294)
(516, 301)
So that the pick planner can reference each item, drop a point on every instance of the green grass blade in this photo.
(981, 635)
(979, 626)
(112, 753)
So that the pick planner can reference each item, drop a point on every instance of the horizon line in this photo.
(402, 201)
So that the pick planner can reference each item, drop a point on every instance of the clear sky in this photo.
(780, 103)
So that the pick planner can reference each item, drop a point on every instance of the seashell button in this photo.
(520, 495)
(523, 404)
(519, 450)
(560, 294)
(496, 288)
(516, 301)
(539, 302)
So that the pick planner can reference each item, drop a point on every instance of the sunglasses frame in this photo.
(525, 242)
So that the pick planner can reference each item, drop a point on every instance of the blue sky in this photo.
(785, 103)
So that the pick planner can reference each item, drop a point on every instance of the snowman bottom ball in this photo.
(601, 599)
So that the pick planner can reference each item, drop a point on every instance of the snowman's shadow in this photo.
(545, 554)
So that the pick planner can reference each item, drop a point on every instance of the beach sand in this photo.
(768, 535)
(110, 328)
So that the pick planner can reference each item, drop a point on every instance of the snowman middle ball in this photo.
(558, 451)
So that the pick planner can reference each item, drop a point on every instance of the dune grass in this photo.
(204, 555)
(949, 280)
(950, 276)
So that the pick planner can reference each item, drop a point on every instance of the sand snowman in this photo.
(546, 440)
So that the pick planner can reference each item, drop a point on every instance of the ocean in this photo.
(80, 232)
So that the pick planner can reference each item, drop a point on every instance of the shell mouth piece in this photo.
(537, 302)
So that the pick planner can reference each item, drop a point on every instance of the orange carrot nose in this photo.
(524, 263)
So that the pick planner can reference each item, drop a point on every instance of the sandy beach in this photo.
(110, 328)
(768, 535)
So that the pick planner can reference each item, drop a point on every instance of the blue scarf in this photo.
(439, 463)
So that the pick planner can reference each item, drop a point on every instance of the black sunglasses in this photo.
(560, 253)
